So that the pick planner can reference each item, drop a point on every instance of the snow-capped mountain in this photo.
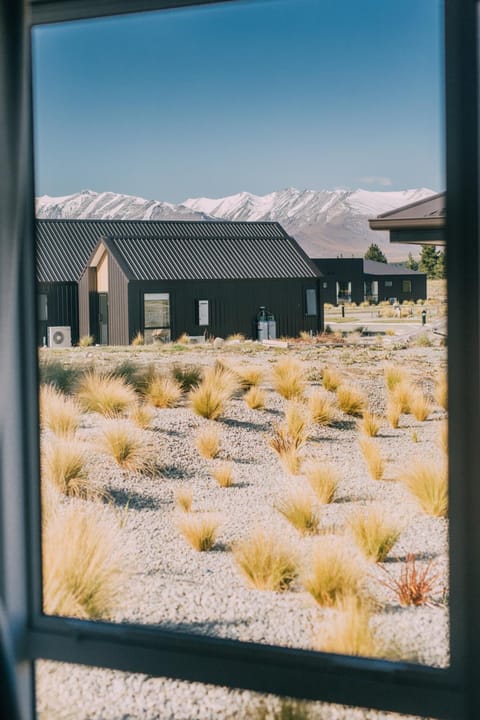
(325, 222)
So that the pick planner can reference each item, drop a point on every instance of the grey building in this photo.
(419, 223)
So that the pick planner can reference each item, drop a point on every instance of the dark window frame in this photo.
(452, 693)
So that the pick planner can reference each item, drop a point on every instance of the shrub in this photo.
(372, 457)
(323, 479)
(187, 376)
(163, 392)
(298, 508)
(394, 410)
(428, 482)
(223, 474)
(85, 341)
(209, 399)
(125, 445)
(289, 379)
(420, 406)
(374, 534)
(331, 379)
(255, 398)
(414, 586)
(351, 400)
(369, 424)
(266, 561)
(108, 395)
(82, 568)
(394, 375)
(200, 531)
(208, 442)
(63, 464)
(142, 416)
(58, 413)
(62, 377)
(321, 408)
(441, 391)
(183, 499)
(334, 573)
(138, 339)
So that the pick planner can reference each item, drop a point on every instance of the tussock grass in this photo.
(210, 397)
(323, 479)
(369, 424)
(125, 445)
(138, 339)
(249, 376)
(394, 375)
(420, 406)
(443, 436)
(58, 413)
(142, 416)
(136, 376)
(350, 632)
(351, 400)
(321, 408)
(334, 572)
(373, 458)
(298, 508)
(85, 341)
(297, 423)
(374, 533)
(255, 398)
(289, 437)
(50, 500)
(402, 395)
(288, 378)
(200, 531)
(184, 339)
(187, 376)
(331, 379)
(223, 474)
(266, 561)
(428, 482)
(103, 393)
(184, 499)
(62, 377)
(83, 575)
(163, 392)
(63, 464)
(208, 442)
(441, 391)
(394, 410)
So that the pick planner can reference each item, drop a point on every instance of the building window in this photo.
(156, 308)
(43, 307)
(388, 283)
(344, 291)
(311, 301)
(325, 285)
(406, 286)
(203, 313)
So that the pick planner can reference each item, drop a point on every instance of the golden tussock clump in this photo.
(142, 416)
(441, 391)
(373, 458)
(428, 482)
(58, 413)
(331, 379)
(125, 445)
(63, 463)
(163, 392)
(223, 474)
(420, 406)
(394, 410)
(255, 398)
(298, 507)
(394, 375)
(210, 397)
(184, 499)
(208, 442)
(321, 408)
(200, 531)
(249, 376)
(323, 479)
(106, 394)
(370, 424)
(266, 560)
(374, 533)
(402, 394)
(351, 400)
(288, 378)
(334, 572)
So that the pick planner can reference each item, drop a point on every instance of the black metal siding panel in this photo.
(419, 288)
(117, 304)
(84, 304)
(62, 304)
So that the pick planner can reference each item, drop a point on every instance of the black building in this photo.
(358, 280)
(419, 223)
(112, 279)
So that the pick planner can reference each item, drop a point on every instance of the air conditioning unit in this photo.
(59, 337)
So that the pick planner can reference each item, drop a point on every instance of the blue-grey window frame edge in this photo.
(450, 693)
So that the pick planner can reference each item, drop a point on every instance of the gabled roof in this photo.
(373, 267)
(422, 214)
(182, 249)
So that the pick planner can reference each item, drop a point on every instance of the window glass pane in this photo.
(212, 481)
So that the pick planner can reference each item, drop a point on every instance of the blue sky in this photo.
(255, 96)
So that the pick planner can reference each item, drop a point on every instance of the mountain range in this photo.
(326, 223)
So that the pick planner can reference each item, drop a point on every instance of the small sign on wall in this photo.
(203, 312)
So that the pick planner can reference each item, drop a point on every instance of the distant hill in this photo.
(325, 222)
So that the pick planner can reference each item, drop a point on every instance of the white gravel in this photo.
(172, 585)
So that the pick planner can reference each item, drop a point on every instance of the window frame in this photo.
(452, 693)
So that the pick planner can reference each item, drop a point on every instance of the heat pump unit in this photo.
(59, 337)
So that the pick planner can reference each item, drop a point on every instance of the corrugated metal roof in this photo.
(155, 249)
(373, 267)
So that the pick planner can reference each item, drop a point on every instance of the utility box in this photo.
(266, 325)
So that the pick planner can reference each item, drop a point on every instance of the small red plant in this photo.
(414, 586)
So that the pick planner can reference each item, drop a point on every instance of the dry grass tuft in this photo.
(374, 534)
(288, 437)
(369, 424)
(63, 464)
(249, 376)
(372, 457)
(323, 479)
(85, 341)
(266, 560)
(443, 436)
(125, 445)
(211, 396)
(58, 413)
(298, 508)
(200, 531)
(142, 416)
(223, 474)
(297, 423)
(331, 379)
(289, 379)
(394, 375)
(349, 632)
(351, 400)
(163, 392)
(321, 408)
(420, 406)
(441, 391)
(334, 573)
(255, 398)
(138, 339)
(394, 410)
(208, 442)
(108, 395)
(82, 569)
(402, 394)
(187, 376)
(184, 499)
(429, 483)
(413, 587)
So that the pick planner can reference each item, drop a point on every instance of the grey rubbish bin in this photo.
(266, 325)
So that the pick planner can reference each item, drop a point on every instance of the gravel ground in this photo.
(172, 585)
